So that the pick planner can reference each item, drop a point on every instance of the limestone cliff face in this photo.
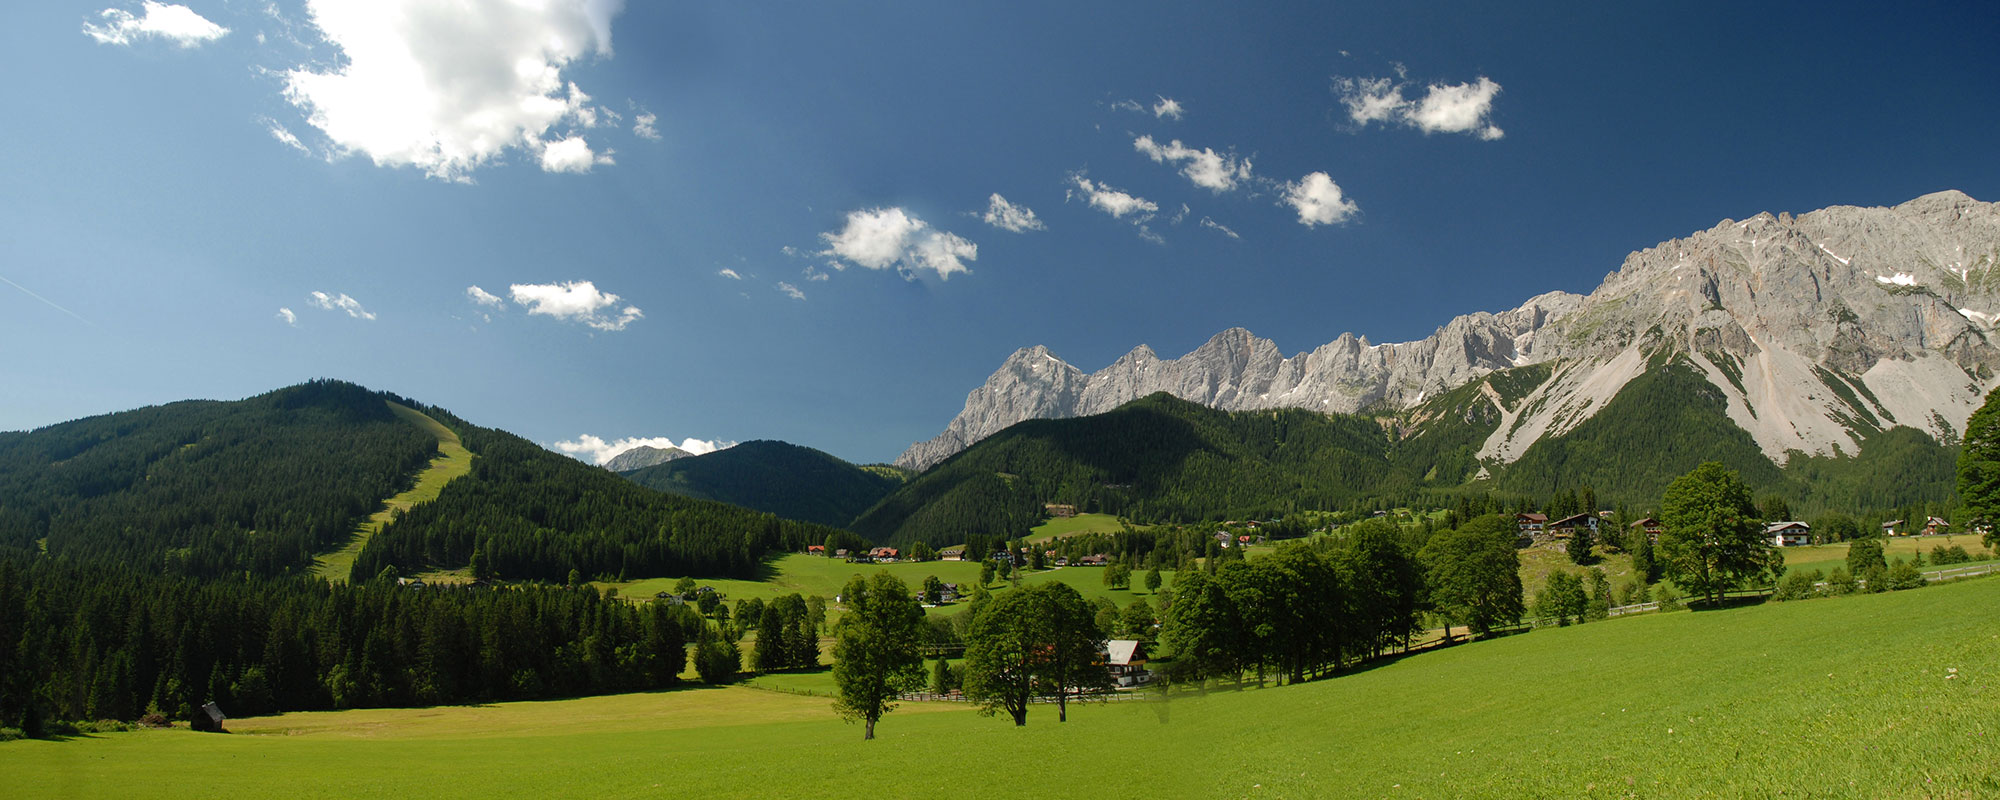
(642, 457)
(1818, 329)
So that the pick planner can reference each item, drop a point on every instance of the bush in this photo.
(1797, 586)
(1875, 579)
(1905, 575)
(1841, 582)
(1954, 554)
(1670, 598)
(10, 734)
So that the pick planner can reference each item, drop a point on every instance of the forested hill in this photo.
(1158, 458)
(532, 514)
(208, 488)
(784, 479)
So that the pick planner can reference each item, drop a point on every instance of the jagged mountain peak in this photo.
(1818, 327)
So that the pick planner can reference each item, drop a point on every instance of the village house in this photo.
(952, 554)
(1531, 525)
(1889, 528)
(1126, 660)
(1567, 526)
(1097, 560)
(883, 553)
(1935, 525)
(1649, 526)
(815, 549)
(1789, 534)
(1060, 510)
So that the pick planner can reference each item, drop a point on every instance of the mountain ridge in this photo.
(1820, 328)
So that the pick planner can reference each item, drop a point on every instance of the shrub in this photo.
(1841, 582)
(1670, 598)
(1905, 575)
(10, 734)
(1797, 586)
(1954, 554)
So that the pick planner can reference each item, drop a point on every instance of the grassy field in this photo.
(1081, 523)
(1824, 557)
(1892, 695)
(453, 460)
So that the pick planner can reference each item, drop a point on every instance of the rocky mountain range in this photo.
(644, 456)
(1818, 329)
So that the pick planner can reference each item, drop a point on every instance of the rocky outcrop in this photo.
(643, 456)
(1818, 328)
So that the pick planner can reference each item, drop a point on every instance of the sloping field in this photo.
(1892, 695)
(452, 461)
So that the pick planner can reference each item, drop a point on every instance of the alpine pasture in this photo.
(1887, 695)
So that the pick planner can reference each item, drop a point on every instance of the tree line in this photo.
(98, 642)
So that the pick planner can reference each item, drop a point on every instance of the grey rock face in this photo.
(643, 457)
(1897, 301)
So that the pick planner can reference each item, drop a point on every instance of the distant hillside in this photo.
(784, 479)
(209, 488)
(259, 486)
(1158, 458)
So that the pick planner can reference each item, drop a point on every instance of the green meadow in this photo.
(1890, 695)
(1824, 557)
(452, 462)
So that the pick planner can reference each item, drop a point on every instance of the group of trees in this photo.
(84, 643)
(1312, 607)
(788, 633)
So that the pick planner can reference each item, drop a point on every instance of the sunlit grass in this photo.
(452, 462)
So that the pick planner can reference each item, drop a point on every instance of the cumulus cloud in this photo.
(576, 301)
(289, 317)
(1205, 167)
(1319, 200)
(729, 273)
(791, 291)
(339, 302)
(646, 126)
(447, 88)
(1111, 201)
(1219, 227)
(881, 238)
(1009, 217)
(175, 23)
(597, 451)
(1167, 108)
(1444, 108)
(482, 297)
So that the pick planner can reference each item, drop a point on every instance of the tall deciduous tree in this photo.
(1042, 641)
(1979, 468)
(1713, 539)
(1474, 573)
(876, 655)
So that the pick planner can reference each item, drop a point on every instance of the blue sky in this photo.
(797, 236)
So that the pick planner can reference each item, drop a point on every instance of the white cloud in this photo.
(881, 238)
(1112, 201)
(815, 274)
(285, 136)
(597, 451)
(482, 297)
(1458, 108)
(1009, 217)
(339, 302)
(1224, 229)
(729, 273)
(289, 317)
(576, 301)
(1128, 105)
(1444, 108)
(176, 23)
(450, 87)
(646, 126)
(1167, 107)
(1205, 167)
(1319, 200)
(791, 291)
(571, 154)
